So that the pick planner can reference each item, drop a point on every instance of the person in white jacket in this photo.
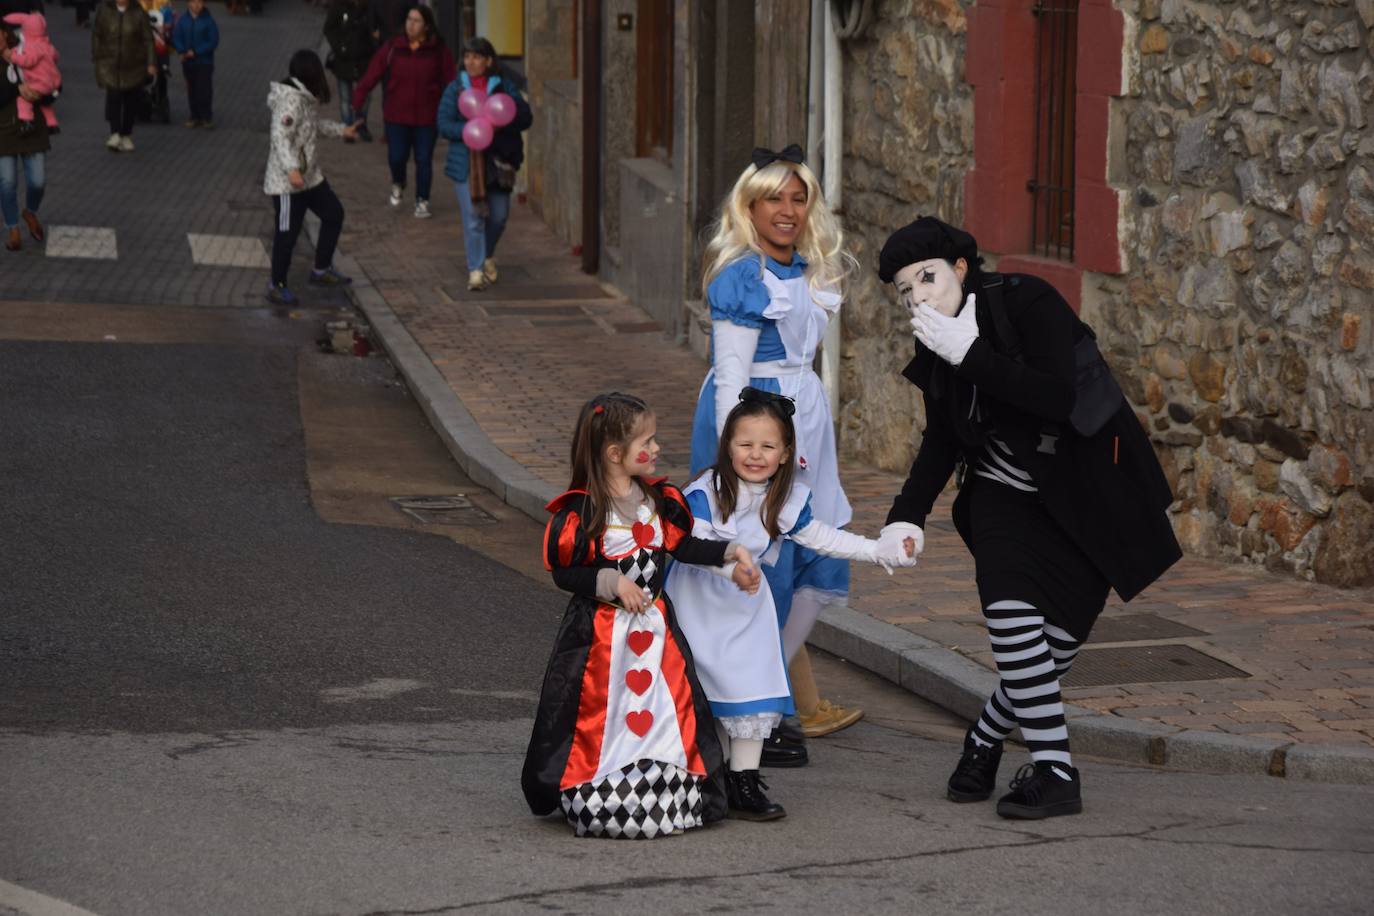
(752, 497)
(293, 174)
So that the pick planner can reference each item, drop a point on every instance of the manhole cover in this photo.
(1146, 665)
(1137, 627)
(456, 509)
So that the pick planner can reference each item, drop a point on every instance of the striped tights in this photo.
(1031, 656)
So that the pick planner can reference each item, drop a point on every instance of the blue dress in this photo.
(791, 317)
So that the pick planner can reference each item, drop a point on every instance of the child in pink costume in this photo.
(36, 58)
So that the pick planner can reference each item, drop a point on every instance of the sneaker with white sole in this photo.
(126, 144)
(476, 281)
(112, 144)
(395, 198)
(489, 270)
(422, 209)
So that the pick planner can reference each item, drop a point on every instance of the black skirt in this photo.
(1021, 554)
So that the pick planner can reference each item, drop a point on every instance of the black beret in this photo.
(922, 240)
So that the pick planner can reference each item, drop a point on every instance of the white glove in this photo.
(947, 338)
(890, 542)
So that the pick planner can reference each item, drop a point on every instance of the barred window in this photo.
(1052, 181)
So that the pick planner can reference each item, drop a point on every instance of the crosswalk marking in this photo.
(228, 251)
(81, 242)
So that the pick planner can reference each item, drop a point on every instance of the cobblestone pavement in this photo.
(1286, 660)
(182, 220)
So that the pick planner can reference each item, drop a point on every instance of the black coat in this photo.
(348, 29)
(1106, 491)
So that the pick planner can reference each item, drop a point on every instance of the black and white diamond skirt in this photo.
(641, 801)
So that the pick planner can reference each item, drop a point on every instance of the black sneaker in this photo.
(1037, 791)
(780, 749)
(975, 776)
(744, 791)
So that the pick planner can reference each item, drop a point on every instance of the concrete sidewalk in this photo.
(1216, 667)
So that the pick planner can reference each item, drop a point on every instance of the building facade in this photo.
(1196, 177)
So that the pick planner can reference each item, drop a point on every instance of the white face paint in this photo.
(936, 283)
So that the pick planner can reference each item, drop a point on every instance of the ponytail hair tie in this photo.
(599, 409)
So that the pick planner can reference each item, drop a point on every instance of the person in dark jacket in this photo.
(195, 37)
(387, 18)
(1054, 514)
(348, 29)
(20, 153)
(417, 66)
(122, 48)
(483, 183)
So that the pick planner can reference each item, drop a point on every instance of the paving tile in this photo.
(228, 251)
(97, 242)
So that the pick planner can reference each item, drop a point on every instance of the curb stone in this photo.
(916, 664)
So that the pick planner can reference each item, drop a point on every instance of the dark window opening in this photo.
(1052, 180)
(654, 80)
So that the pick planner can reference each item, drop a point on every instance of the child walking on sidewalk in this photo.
(195, 37)
(294, 178)
(751, 497)
(623, 740)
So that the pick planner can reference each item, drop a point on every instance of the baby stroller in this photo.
(156, 105)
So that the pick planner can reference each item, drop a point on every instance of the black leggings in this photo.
(121, 108)
(290, 209)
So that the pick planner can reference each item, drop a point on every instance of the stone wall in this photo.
(1242, 330)
(552, 171)
(908, 122)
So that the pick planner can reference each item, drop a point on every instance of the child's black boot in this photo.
(744, 791)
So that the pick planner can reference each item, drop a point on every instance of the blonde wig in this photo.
(821, 241)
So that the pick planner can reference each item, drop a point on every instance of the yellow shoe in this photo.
(829, 718)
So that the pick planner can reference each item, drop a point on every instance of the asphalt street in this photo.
(236, 679)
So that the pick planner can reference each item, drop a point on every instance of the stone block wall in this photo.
(1241, 331)
(908, 123)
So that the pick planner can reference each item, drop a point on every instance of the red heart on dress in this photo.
(640, 641)
(638, 680)
(642, 534)
(640, 721)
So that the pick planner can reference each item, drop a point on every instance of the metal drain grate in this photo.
(1138, 627)
(1146, 665)
(456, 509)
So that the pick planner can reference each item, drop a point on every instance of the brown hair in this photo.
(606, 420)
(780, 486)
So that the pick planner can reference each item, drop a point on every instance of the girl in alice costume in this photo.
(623, 740)
(772, 275)
(752, 497)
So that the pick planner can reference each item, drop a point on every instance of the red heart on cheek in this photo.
(642, 534)
(640, 641)
(638, 680)
(640, 722)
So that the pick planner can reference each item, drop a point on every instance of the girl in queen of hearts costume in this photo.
(752, 497)
(772, 275)
(623, 740)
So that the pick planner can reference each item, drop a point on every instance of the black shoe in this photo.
(1037, 791)
(790, 730)
(744, 791)
(782, 751)
(975, 776)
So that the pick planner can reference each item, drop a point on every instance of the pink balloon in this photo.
(477, 134)
(500, 109)
(470, 102)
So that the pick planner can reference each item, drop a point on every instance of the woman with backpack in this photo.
(417, 66)
(348, 29)
(483, 182)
